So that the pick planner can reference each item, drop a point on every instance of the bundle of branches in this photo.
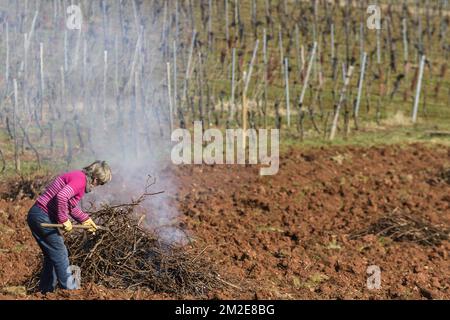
(129, 256)
(26, 187)
(405, 228)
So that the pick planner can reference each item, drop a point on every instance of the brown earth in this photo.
(289, 236)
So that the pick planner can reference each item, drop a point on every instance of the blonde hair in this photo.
(99, 170)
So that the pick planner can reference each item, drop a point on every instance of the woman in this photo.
(59, 201)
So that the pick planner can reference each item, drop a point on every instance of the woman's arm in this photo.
(68, 197)
(79, 215)
(62, 198)
(67, 206)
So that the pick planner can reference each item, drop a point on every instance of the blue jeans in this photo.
(56, 259)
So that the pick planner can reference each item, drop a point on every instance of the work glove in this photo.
(67, 226)
(91, 224)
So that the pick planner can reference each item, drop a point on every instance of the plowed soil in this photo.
(289, 236)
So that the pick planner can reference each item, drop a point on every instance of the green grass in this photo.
(381, 136)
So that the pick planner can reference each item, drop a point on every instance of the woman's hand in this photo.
(91, 224)
(67, 226)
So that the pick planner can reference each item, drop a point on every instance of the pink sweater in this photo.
(62, 197)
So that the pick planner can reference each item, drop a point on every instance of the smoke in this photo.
(130, 131)
(98, 93)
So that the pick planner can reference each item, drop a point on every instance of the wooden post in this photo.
(244, 94)
(188, 67)
(41, 65)
(200, 86)
(308, 73)
(405, 39)
(265, 61)
(360, 86)
(135, 58)
(332, 42)
(361, 40)
(233, 85)
(286, 77)
(227, 24)
(297, 51)
(250, 70)
(341, 100)
(280, 44)
(175, 77)
(419, 87)
(16, 145)
(169, 96)
(30, 34)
